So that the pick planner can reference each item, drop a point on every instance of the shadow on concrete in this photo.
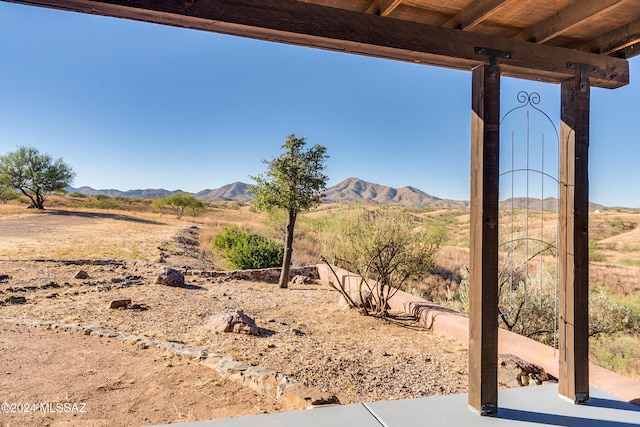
(599, 402)
(557, 420)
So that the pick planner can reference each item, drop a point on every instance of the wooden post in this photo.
(483, 268)
(573, 325)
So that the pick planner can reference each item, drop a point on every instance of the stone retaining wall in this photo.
(270, 275)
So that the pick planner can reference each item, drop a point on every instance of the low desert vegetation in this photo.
(384, 246)
(246, 250)
(527, 302)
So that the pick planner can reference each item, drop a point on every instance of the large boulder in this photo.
(171, 277)
(516, 372)
(232, 321)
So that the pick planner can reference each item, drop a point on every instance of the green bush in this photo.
(245, 250)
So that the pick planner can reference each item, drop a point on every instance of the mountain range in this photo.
(349, 191)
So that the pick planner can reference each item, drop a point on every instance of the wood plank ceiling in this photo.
(610, 27)
(533, 39)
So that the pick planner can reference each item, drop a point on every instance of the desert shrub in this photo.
(102, 197)
(607, 316)
(627, 247)
(594, 254)
(245, 250)
(76, 194)
(385, 247)
(528, 308)
(619, 226)
(620, 353)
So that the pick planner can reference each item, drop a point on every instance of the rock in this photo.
(297, 332)
(50, 285)
(232, 321)
(120, 303)
(298, 396)
(171, 277)
(81, 275)
(516, 372)
(299, 279)
(16, 300)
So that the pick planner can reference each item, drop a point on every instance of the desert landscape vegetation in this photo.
(123, 244)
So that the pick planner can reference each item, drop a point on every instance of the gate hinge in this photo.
(584, 69)
(493, 54)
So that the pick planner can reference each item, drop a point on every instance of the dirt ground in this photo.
(305, 334)
(95, 381)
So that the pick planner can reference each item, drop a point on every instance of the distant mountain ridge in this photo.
(354, 190)
(349, 191)
(237, 191)
(133, 194)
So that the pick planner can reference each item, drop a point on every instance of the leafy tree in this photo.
(384, 246)
(183, 203)
(33, 174)
(293, 182)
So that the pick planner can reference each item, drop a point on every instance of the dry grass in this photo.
(95, 234)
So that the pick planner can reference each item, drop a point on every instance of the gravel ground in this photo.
(305, 333)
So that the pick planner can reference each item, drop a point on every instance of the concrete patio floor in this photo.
(525, 406)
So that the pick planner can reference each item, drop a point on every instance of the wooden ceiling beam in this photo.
(307, 24)
(388, 6)
(566, 19)
(629, 51)
(474, 14)
(374, 7)
(615, 41)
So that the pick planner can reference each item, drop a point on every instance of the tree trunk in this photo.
(288, 251)
(39, 200)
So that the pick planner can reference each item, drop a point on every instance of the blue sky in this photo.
(134, 105)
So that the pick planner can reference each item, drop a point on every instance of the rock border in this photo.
(286, 390)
